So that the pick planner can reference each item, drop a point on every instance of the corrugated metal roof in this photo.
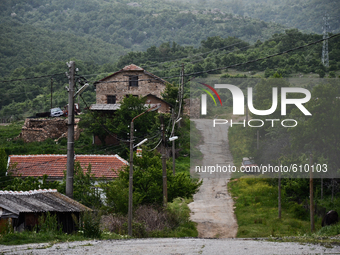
(54, 165)
(39, 201)
(113, 107)
(105, 107)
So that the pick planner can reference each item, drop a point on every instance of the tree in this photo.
(131, 107)
(84, 189)
(148, 184)
(3, 163)
(95, 123)
(320, 133)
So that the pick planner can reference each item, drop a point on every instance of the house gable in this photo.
(131, 80)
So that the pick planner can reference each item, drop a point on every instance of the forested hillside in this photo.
(306, 15)
(25, 97)
(23, 45)
(134, 25)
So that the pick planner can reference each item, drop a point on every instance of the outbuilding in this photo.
(22, 209)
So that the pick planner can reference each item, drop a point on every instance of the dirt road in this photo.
(213, 207)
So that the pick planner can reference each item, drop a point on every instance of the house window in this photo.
(133, 81)
(127, 95)
(111, 99)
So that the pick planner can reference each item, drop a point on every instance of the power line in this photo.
(255, 60)
(31, 78)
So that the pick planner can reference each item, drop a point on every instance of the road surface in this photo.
(171, 246)
(213, 207)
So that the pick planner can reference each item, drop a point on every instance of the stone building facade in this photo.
(131, 80)
(38, 130)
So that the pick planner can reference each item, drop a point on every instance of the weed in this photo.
(90, 226)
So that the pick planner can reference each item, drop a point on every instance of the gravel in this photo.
(171, 246)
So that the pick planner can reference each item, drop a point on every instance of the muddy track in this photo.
(213, 207)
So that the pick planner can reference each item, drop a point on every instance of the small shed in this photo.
(24, 208)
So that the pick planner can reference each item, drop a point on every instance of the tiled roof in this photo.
(54, 165)
(39, 201)
(132, 67)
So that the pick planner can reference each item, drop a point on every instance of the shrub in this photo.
(90, 226)
(331, 230)
(48, 224)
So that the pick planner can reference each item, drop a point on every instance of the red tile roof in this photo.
(55, 165)
(132, 67)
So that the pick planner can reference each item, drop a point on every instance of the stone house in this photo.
(131, 80)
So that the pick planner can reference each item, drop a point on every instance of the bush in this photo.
(154, 221)
(331, 230)
(179, 212)
(148, 184)
(48, 224)
(90, 226)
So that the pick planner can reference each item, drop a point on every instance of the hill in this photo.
(25, 97)
(306, 15)
(23, 45)
(133, 25)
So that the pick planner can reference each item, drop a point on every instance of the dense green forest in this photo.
(104, 36)
(99, 31)
(135, 26)
(23, 45)
(306, 15)
(25, 97)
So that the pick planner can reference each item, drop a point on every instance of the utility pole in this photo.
(51, 91)
(130, 181)
(279, 192)
(173, 144)
(70, 131)
(325, 56)
(165, 187)
(311, 195)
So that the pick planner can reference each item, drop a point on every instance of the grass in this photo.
(27, 237)
(257, 211)
(182, 164)
(257, 216)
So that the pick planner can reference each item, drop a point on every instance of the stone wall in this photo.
(146, 85)
(191, 108)
(38, 130)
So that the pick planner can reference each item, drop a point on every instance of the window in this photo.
(127, 95)
(111, 99)
(133, 81)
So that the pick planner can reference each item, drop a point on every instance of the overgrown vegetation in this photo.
(155, 221)
(256, 198)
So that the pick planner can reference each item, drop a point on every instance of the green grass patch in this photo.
(182, 164)
(257, 211)
(33, 237)
(27, 237)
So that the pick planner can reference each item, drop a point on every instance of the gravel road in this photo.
(213, 207)
(170, 246)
